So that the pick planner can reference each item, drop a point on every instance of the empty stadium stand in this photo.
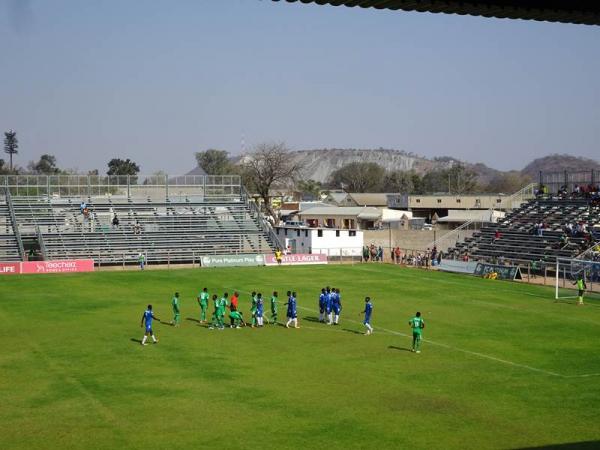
(168, 229)
(518, 242)
(9, 244)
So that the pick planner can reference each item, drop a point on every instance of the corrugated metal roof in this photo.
(369, 199)
(339, 211)
(567, 11)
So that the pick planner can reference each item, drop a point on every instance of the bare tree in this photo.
(268, 165)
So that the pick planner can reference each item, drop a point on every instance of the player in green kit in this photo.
(274, 301)
(203, 302)
(221, 311)
(237, 319)
(253, 309)
(216, 303)
(417, 324)
(175, 305)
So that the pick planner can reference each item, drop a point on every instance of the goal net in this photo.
(567, 273)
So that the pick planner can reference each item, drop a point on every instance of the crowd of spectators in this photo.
(372, 253)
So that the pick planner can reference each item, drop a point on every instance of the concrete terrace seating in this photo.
(9, 248)
(518, 244)
(166, 231)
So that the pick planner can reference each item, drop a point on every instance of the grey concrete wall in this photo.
(410, 239)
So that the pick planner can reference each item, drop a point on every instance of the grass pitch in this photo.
(502, 364)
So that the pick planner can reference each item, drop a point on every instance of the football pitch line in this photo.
(450, 347)
(469, 352)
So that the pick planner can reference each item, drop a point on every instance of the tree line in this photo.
(271, 165)
(48, 164)
(456, 179)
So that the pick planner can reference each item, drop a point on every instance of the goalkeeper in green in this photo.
(203, 302)
(581, 287)
(175, 305)
(417, 324)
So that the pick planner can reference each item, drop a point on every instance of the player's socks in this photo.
(144, 340)
(154, 339)
(337, 319)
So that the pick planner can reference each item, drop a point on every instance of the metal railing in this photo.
(86, 186)
(261, 219)
(41, 242)
(15, 225)
(450, 239)
(521, 196)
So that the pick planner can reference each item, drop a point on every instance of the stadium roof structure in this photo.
(566, 11)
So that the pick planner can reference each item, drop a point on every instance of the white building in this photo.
(351, 217)
(331, 242)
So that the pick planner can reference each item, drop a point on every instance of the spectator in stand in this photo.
(540, 230)
(82, 206)
(115, 221)
(137, 229)
(562, 192)
(539, 192)
(497, 235)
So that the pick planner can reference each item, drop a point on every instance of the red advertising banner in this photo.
(296, 259)
(61, 266)
(11, 268)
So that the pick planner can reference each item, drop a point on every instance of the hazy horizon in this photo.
(157, 82)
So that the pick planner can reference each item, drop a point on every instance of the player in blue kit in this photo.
(322, 302)
(328, 304)
(260, 306)
(147, 318)
(367, 312)
(336, 306)
(292, 314)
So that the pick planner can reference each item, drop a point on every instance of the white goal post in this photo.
(568, 270)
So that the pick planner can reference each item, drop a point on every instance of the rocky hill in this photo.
(556, 162)
(319, 164)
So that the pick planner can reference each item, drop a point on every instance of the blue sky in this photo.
(157, 80)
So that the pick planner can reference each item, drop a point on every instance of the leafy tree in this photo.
(435, 181)
(267, 166)
(405, 182)
(45, 166)
(11, 144)
(358, 177)
(117, 166)
(214, 162)
(310, 187)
